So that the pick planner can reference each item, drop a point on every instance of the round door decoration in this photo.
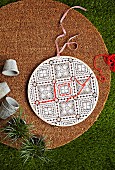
(63, 91)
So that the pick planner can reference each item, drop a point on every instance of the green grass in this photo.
(95, 149)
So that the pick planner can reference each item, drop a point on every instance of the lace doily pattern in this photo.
(63, 91)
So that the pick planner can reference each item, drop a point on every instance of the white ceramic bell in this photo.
(8, 107)
(10, 68)
(4, 89)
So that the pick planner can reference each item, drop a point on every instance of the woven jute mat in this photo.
(28, 30)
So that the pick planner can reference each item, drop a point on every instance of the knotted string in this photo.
(109, 60)
(59, 51)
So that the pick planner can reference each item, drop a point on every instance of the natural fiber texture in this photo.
(27, 33)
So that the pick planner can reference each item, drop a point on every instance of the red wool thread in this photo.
(109, 60)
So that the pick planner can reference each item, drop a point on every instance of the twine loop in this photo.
(59, 51)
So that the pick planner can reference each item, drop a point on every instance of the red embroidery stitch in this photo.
(83, 85)
(70, 91)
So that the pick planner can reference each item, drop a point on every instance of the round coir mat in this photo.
(28, 30)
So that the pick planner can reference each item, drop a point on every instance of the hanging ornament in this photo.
(63, 90)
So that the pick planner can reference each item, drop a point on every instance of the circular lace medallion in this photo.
(63, 91)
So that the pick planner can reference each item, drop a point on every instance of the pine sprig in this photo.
(33, 148)
(17, 128)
